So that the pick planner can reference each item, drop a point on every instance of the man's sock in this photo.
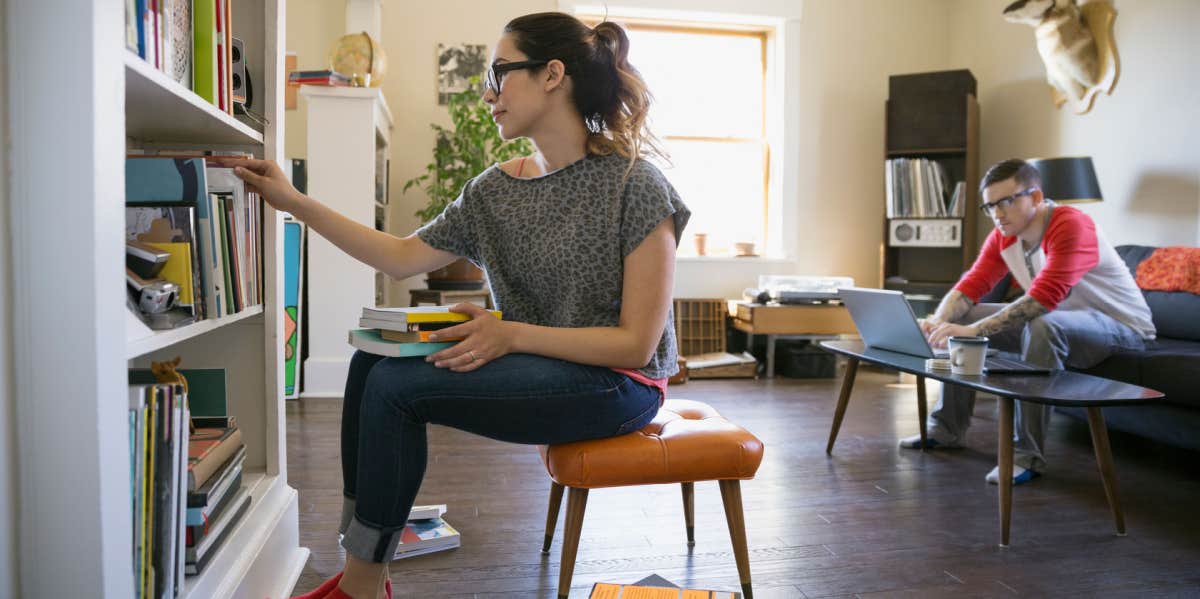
(1020, 475)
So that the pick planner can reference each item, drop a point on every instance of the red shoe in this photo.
(323, 590)
(387, 588)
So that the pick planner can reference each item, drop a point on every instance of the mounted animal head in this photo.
(1031, 12)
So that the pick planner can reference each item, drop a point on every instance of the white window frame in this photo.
(781, 21)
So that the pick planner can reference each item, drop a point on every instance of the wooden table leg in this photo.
(1108, 474)
(1005, 451)
(770, 356)
(843, 399)
(921, 407)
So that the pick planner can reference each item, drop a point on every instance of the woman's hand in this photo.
(265, 178)
(486, 339)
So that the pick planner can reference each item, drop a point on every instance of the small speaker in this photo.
(237, 70)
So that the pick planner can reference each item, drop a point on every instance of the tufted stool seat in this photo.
(687, 441)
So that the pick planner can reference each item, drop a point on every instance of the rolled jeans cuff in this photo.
(369, 543)
(348, 504)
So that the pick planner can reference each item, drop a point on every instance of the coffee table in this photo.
(1060, 388)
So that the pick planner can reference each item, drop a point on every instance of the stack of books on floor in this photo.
(216, 500)
(426, 532)
(400, 332)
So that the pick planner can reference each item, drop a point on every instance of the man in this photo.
(1080, 305)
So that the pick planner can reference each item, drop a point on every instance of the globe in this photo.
(358, 55)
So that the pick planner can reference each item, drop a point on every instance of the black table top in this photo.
(1060, 388)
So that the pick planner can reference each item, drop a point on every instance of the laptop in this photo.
(886, 321)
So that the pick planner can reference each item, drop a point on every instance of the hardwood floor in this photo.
(871, 521)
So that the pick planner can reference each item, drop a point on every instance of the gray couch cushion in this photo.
(1167, 365)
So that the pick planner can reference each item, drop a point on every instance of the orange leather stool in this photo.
(687, 441)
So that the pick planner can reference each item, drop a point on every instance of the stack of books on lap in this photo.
(400, 332)
(216, 500)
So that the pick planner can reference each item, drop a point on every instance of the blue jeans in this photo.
(1056, 340)
(518, 398)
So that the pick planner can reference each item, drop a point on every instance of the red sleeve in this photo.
(988, 269)
(1071, 251)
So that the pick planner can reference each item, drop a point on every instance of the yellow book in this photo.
(178, 269)
(419, 314)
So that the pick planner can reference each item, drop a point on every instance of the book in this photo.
(204, 57)
(369, 341)
(419, 314)
(178, 270)
(206, 392)
(145, 260)
(200, 516)
(607, 590)
(411, 336)
(200, 520)
(426, 512)
(199, 556)
(208, 449)
(426, 536)
(209, 493)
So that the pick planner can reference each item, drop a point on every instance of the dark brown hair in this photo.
(608, 92)
(1025, 174)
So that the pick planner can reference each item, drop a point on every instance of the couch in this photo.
(1170, 363)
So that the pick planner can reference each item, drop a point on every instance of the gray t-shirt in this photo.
(553, 247)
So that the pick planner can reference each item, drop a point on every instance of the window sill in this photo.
(731, 259)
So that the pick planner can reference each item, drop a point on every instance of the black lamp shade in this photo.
(1068, 180)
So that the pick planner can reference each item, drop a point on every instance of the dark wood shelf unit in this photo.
(934, 116)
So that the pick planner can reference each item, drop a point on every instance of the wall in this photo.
(1142, 139)
(8, 467)
(839, 59)
(312, 27)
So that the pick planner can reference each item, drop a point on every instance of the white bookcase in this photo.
(348, 128)
(75, 111)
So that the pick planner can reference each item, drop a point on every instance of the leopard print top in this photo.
(553, 246)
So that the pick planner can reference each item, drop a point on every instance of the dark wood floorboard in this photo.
(871, 521)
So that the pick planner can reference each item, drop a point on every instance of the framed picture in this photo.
(456, 65)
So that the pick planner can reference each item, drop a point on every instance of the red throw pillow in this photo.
(1171, 269)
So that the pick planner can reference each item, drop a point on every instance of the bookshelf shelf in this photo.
(139, 345)
(159, 110)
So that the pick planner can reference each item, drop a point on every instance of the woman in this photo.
(578, 242)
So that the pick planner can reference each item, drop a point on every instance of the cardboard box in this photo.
(822, 319)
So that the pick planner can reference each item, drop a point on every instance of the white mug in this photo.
(967, 355)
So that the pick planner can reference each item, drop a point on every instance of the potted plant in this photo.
(463, 150)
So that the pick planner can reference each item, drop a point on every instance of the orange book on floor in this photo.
(605, 590)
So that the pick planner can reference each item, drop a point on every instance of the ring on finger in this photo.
(474, 358)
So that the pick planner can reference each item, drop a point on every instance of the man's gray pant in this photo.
(1058, 339)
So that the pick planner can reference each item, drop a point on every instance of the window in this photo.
(709, 110)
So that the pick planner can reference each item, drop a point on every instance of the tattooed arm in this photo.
(953, 306)
(1015, 314)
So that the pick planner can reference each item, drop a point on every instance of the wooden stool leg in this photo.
(843, 400)
(921, 407)
(576, 503)
(731, 495)
(1108, 474)
(556, 493)
(1005, 451)
(689, 511)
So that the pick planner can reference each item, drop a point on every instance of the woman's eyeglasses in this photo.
(495, 74)
(1004, 203)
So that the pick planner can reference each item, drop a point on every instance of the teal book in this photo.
(370, 341)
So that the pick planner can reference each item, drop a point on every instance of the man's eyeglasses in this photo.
(1004, 203)
(495, 74)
